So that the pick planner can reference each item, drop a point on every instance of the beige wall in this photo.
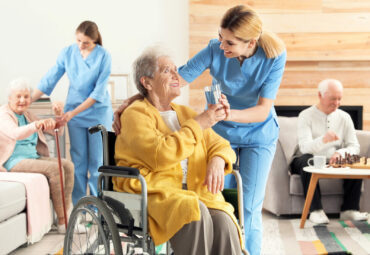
(324, 38)
(34, 32)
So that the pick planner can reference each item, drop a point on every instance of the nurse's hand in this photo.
(211, 116)
(215, 175)
(67, 116)
(45, 124)
(117, 113)
(226, 105)
(57, 108)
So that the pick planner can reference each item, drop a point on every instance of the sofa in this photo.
(284, 191)
(13, 213)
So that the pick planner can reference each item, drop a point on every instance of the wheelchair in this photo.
(116, 222)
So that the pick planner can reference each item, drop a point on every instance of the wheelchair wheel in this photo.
(100, 231)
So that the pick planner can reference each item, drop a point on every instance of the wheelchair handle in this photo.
(236, 166)
(97, 128)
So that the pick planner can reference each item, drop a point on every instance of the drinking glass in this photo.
(213, 93)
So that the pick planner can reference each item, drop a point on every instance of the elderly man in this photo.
(323, 129)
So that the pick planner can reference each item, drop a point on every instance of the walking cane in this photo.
(56, 130)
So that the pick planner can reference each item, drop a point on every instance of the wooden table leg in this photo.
(307, 203)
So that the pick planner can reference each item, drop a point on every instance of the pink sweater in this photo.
(10, 132)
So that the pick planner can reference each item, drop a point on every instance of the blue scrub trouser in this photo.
(255, 164)
(87, 155)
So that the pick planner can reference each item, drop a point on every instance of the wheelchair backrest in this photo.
(111, 140)
(131, 201)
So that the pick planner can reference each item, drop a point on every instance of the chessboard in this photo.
(352, 161)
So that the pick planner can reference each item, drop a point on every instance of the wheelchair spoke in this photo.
(96, 237)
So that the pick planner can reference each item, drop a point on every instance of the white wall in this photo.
(34, 31)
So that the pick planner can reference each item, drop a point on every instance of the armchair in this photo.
(284, 191)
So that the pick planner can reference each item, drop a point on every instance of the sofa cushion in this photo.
(13, 233)
(363, 138)
(288, 136)
(12, 199)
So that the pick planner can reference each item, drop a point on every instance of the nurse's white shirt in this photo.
(171, 120)
(313, 125)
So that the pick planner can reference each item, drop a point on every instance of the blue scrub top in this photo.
(88, 78)
(258, 76)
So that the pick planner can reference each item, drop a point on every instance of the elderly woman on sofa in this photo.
(182, 160)
(23, 146)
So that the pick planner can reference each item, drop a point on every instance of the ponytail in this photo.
(271, 44)
(99, 40)
(245, 24)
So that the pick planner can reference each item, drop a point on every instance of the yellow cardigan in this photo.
(148, 144)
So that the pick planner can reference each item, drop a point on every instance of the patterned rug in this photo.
(284, 236)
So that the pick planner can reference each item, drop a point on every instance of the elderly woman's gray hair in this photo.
(323, 85)
(146, 65)
(18, 84)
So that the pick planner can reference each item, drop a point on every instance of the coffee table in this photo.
(328, 173)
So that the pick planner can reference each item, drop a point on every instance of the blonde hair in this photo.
(245, 23)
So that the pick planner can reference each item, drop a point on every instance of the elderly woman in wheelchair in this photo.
(182, 160)
(162, 176)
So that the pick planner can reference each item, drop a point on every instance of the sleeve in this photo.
(350, 142)
(306, 142)
(10, 128)
(197, 64)
(218, 146)
(49, 81)
(152, 147)
(272, 83)
(99, 91)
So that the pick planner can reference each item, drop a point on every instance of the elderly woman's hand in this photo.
(215, 175)
(45, 124)
(211, 116)
(57, 108)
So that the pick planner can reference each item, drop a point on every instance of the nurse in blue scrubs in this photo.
(248, 62)
(88, 66)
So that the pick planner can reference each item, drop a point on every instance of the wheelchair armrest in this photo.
(119, 170)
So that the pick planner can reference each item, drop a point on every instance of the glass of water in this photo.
(213, 93)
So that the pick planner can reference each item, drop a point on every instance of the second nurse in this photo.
(88, 66)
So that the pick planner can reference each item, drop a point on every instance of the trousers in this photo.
(49, 167)
(87, 156)
(215, 233)
(254, 164)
